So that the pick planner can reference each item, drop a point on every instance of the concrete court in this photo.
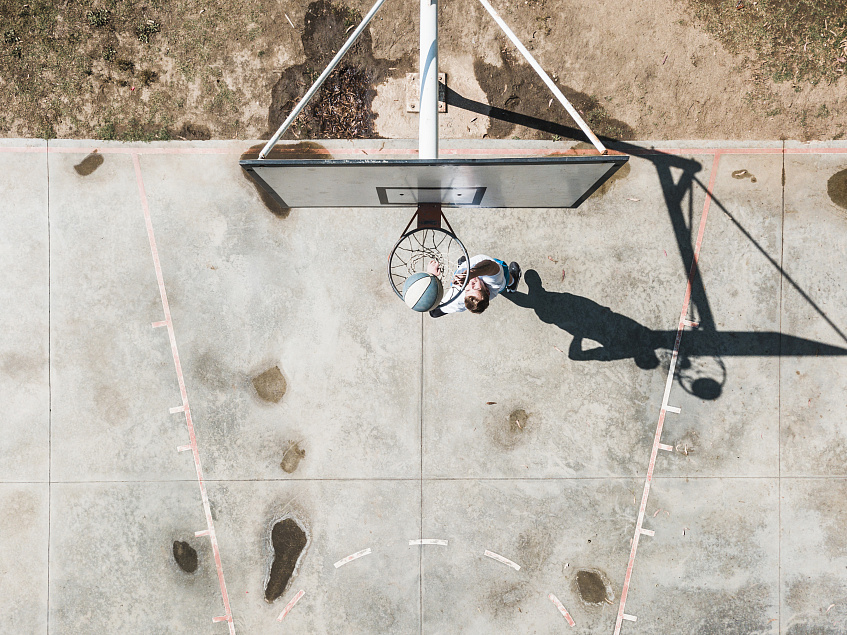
(410, 425)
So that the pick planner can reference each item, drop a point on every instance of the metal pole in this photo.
(428, 76)
(316, 86)
(535, 65)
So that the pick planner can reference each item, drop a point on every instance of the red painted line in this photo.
(290, 605)
(658, 436)
(158, 325)
(183, 392)
(413, 152)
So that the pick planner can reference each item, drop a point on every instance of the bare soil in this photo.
(217, 69)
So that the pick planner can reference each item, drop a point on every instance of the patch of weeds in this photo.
(838, 136)
(11, 37)
(223, 100)
(773, 113)
(148, 77)
(98, 18)
(790, 40)
(260, 54)
(823, 112)
(136, 131)
(125, 66)
(109, 54)
(106, 132)
(145, 31)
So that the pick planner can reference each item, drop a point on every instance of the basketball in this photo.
(422, 292)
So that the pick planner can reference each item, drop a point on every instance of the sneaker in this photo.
(515, 274)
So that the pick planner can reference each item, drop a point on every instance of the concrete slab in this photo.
(814, 555)
(384, 432)
(24, 525)
(112, 567)
(24, 294)
(575, 349)
(713, 564)
(377, 593)
(727, 386)
(551, 529)
(112, 374)
(813, 385)
(307, 294)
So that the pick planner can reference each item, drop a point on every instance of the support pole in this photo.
(428, 76)
(545, 78)
(320, 80)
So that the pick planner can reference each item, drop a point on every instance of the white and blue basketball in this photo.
(422, 292)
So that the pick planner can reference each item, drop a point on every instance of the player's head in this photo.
(476, 296)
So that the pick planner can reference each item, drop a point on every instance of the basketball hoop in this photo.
(429, 241)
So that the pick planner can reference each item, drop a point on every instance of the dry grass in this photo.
(790, 40)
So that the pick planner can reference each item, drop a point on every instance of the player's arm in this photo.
(485, 268)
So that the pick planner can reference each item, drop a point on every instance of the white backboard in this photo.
(537, 182)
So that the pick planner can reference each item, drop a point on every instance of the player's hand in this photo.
(434, 268)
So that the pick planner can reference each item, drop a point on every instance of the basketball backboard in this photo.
(535, 182)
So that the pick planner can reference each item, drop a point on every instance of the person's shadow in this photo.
(619, 337)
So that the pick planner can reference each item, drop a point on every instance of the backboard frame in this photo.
(615, 161)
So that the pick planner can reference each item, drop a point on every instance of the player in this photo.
(488, 277)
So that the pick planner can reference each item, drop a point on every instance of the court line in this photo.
(657, 438)
(210, 531)
(365, 152)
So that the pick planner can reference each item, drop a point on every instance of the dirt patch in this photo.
(836, 187)
(289, 540)
(89, 164)
(194, 132)
(342, 107)
(270, 385)
(185, 556)
(593, 587)
(686, 69)
(292, 457)
(514, 87)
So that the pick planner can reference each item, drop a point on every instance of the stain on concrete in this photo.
(836, 187)
(342, 108)
(270, 385)
(289, 540)
(302, 150)
(292, 457)
(510, 431)
(534, 549)
(620, 175)
(515, 87)
(743, 174)
(185, 556)
(89, 164)
(593, 587)
(505, 598)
